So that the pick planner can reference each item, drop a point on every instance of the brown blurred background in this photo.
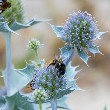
(95, 79)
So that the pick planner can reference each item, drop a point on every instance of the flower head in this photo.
(39, 95)
(34, 44)
(78, 33)
(15, 12)
(56, 80)
(49, 79)
(80, 30)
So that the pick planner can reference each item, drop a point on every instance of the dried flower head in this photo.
(15, 12)
(4, 5)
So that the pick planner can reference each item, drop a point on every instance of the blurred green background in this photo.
(95, 79)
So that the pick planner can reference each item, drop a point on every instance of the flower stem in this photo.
(7, 37)
(54, 104)
(40, 105)
(8, 70)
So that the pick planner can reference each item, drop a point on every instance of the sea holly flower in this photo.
(79, 33)
(48, 79)
(55, 84)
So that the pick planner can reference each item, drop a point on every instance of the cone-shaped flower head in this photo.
(78, 33)
(15, 12)
(56, 79)
(50, 79)
(80, 30)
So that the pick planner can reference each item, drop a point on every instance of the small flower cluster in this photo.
(48, 78)
(34, 44)
(80, 30)
(39, 95)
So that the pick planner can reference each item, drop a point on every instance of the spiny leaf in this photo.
(16, 25)
(5, 28)
(83, 55)
(61, 93)
(20, 101)
(94, 49)
(58, 31)
(67, 53)
(99, 35)
(71, 71)
(73, 85)
(19, 78)
(28, 70)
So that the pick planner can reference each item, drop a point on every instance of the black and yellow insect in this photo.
(4, 5)
(59, 65)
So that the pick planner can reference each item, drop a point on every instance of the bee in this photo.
(59, 65)
(4, 5)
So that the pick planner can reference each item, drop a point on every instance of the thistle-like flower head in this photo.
(80, 30)
(48, 79)
(15, 12)
(78, 33)
(55, 79)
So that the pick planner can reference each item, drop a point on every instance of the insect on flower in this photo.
(4, 5)
(59, 65)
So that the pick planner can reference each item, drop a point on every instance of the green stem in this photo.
(40, 105)
(7, 37)
(8, 70)
(54, 104)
